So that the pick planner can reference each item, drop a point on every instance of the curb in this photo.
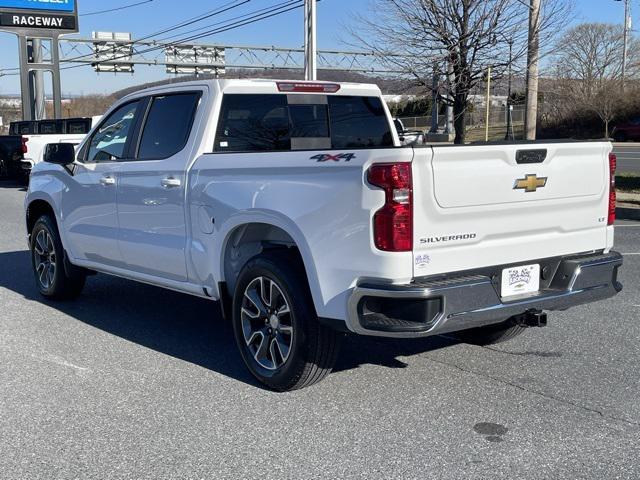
(628, 213)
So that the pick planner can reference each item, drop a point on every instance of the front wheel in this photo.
(276, 328)
(47, 258)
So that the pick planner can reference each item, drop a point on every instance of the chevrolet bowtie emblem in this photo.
(530, 183)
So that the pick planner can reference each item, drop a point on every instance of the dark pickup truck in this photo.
(12, 148)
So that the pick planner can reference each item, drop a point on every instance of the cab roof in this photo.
(262, 85)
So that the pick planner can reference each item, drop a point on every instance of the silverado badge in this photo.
(530, 183)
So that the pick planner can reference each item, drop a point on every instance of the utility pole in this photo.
(36, 82)
(488, 100)
(509, 134)
(531, 116)
(625, 39)
(310, 49)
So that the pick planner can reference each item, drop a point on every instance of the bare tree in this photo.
(468, 35)
(85, 106)
(606, 101)
(588, 69)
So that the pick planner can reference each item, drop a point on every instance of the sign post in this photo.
(38, 25)
(310, 50)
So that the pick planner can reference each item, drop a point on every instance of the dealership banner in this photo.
(34, 16)
(45, 5)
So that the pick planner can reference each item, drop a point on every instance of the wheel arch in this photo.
(248, 239)
(35, 209)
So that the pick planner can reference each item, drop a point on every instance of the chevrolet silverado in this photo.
(294, 204)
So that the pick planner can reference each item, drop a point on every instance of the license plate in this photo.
(520, 280)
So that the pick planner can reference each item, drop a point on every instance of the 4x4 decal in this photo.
(325, 157)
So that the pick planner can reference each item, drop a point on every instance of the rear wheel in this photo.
(53, 278)
(276, 327)
(492, 334)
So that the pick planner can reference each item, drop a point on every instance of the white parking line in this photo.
(632, 253)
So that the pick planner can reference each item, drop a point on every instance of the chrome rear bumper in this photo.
(432, 307)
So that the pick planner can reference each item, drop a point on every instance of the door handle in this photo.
(170, 182)
(107, 180)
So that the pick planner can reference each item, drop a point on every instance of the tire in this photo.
(284, 351)
(54, 279)
(491, 334)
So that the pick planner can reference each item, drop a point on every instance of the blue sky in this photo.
(283, 30)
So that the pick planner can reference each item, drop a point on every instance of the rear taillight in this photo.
(393, 223)
(612, 189)
(25, 149)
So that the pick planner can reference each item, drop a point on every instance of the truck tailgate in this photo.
(483, 205)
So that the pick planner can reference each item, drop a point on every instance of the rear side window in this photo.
(51, 127)
(23, 128)
(168, 125)
(275, 122)
(359, 122)
(78, 125)
(253, 123)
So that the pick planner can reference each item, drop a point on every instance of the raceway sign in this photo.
(53, 22)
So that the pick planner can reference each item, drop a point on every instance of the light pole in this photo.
(488, 101)
(310, 50)
(509, 134)
(531, 114)
(625, 38)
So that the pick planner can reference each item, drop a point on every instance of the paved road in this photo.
(628, 157)
(131, 381)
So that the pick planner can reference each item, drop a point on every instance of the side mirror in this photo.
(59, 153)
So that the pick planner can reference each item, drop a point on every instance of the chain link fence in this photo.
(475, 118)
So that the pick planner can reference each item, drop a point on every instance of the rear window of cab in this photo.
(280, 122)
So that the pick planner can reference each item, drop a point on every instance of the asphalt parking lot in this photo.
(132, 381)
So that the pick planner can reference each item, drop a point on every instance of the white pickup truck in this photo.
(294, 204)
(69, 130)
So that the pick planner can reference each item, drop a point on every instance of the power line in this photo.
(115, 9)
(251, 19)
(247, 19)
(528, 5)
(190, 21)
(223, 21)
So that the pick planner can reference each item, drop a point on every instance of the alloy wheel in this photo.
(267, 326)
(44, 259)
